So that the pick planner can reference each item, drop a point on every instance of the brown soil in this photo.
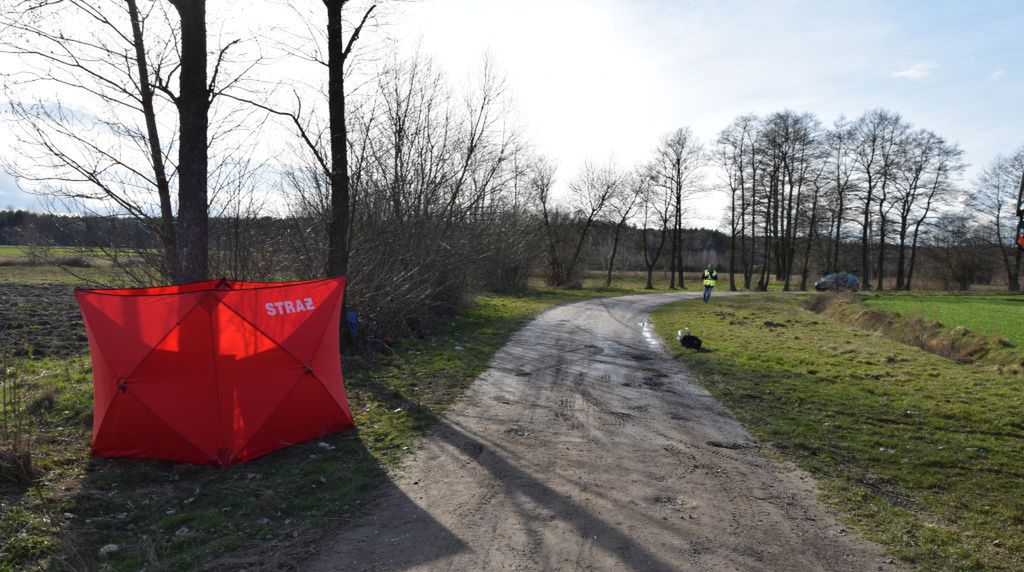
(41, 319)
(586, 447)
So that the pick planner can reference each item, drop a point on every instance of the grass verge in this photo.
(921, 453)
(994, 315)
(268, 513)
(956, 343)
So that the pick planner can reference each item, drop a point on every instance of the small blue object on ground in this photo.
(352, 317)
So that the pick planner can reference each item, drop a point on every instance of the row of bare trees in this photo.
(874, 195)
(414, 189)
(653, 195)
(132, 122)
(800, 194)
(993, 204)
(139, 109)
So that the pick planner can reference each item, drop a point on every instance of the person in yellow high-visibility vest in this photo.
(710, 279)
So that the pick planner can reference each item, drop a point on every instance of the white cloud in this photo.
(11, 196)
(916, 72)
(998, 73)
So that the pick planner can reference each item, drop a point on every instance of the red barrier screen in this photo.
(215, 372)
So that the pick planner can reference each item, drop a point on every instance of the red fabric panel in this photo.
(125, 329)
(253, 376)
(283, 314)
(103, 387)
(122, 331)
(309, 401)
(131, 430)
(177, 381)
(232, 285)
(217, 371)
(327, 362)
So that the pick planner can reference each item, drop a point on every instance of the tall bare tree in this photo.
(622, 207)
(938, 190)
(734, 154)
(840, 172)
(91, 160)
(997, 193)
(167, 231)
(590, 194)
(874, 152)
(338, 51)
(676, 167)
(193, 103)
(656, 207)
(110, 154)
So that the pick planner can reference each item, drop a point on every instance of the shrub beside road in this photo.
(921, 453)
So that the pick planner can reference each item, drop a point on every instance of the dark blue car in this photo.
(837, 281)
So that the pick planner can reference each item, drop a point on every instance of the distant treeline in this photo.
(951, 266)
(32, 229)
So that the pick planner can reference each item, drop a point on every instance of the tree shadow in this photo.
(398, 534)
(268, 513)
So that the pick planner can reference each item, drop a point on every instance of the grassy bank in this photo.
(999, 315)
(269, 512)
(921, 453)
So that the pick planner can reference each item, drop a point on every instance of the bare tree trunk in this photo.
(193, 109)
(811, 233)
(337, 226)
(732, 243)
(902, 257)
(882, 219)
(651, 262)
(337, 53)
(913, 254)
(748, 274)
(673, 257)
(166, 229)
(839, 234)
(777, 204)
(611, 261)
(1014, 285)
(865, 251)
(805, 272)
(762, 282)
(881, 253)
(743, 235)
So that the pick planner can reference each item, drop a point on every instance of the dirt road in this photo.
(586, 447)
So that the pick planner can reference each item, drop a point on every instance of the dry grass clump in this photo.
(16, 463)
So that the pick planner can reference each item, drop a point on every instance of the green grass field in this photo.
(921, 453)
(8, 251)
(999, 315)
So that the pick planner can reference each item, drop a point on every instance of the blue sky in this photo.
(600, 79)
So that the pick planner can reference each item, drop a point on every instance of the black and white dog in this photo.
(687, 340)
